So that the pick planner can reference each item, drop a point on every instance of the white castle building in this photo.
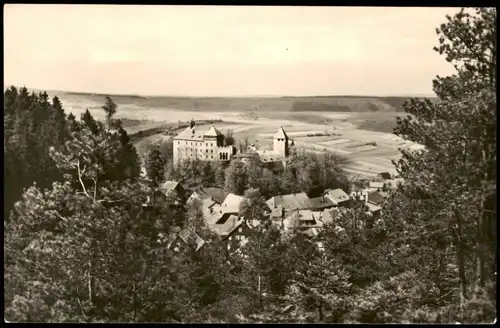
(207, 143)
(203, 143)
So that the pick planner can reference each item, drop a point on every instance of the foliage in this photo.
(155, 166)
(228, 138)
(83, 245)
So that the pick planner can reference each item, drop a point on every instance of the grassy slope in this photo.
(241, 104)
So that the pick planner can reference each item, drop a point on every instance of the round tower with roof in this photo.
(281, 143)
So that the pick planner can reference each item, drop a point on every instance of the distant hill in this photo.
(238, 104)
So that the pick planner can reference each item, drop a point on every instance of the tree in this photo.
(155, 166)
(254, 173)
(236, 177)
(452, 178)
(253, 206)
(80, 251)
(167, 150)
(219, 174)
(228, 138)
(31, 125)
(110, 109)
(207, 174)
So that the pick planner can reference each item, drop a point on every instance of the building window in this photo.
(212, 150)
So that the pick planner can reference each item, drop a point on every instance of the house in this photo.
(238, 235)
(373, 209)
(376, 198)
(186, 239)
(216, 194)
(230, 206)
(321, 203)
(374, 202)
(376, 186)
(384, 176)
(174, 189)
(291, 202)
(338, 197)
(327, 216)
(211, 211)
(277, 213)
(302, 220)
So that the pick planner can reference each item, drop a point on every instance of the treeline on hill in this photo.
(86, 249)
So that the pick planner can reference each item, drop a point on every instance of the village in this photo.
(291, 213)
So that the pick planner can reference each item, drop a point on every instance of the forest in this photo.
(81, 246)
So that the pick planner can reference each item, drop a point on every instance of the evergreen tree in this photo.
(455, 174)
(155, 167)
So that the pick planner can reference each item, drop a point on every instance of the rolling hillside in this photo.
(240, 104)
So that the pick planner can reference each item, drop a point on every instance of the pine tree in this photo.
(155, 167)
(452, 178)
(110, 109)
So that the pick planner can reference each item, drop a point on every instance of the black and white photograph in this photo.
(249, 164)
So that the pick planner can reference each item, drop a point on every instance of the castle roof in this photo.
(195, 133)
(281, 134)
(212, 132)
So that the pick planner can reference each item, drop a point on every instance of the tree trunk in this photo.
(259, 289)
(91, 283)
(320, 309)
(135, 301)
(460, 255)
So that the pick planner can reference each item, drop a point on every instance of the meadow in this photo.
(359, 128)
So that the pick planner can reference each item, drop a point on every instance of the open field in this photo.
(364, 159)
(363, 136)
(327, 104)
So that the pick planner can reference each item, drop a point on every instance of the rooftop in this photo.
(227, 227)
(169, 186)
(337, 195)
(376, 184)
(319, 203)
(191, 238)
(376, 198)
(198, 132)
(281, 134)
(290, 202)
(232, 203)
(218, 195)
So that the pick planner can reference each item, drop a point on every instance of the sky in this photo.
(223, 51)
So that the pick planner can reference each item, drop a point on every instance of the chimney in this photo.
(192, 124)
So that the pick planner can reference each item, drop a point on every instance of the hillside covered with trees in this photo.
(85, 236)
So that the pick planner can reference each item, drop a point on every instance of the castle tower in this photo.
(281, 143)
